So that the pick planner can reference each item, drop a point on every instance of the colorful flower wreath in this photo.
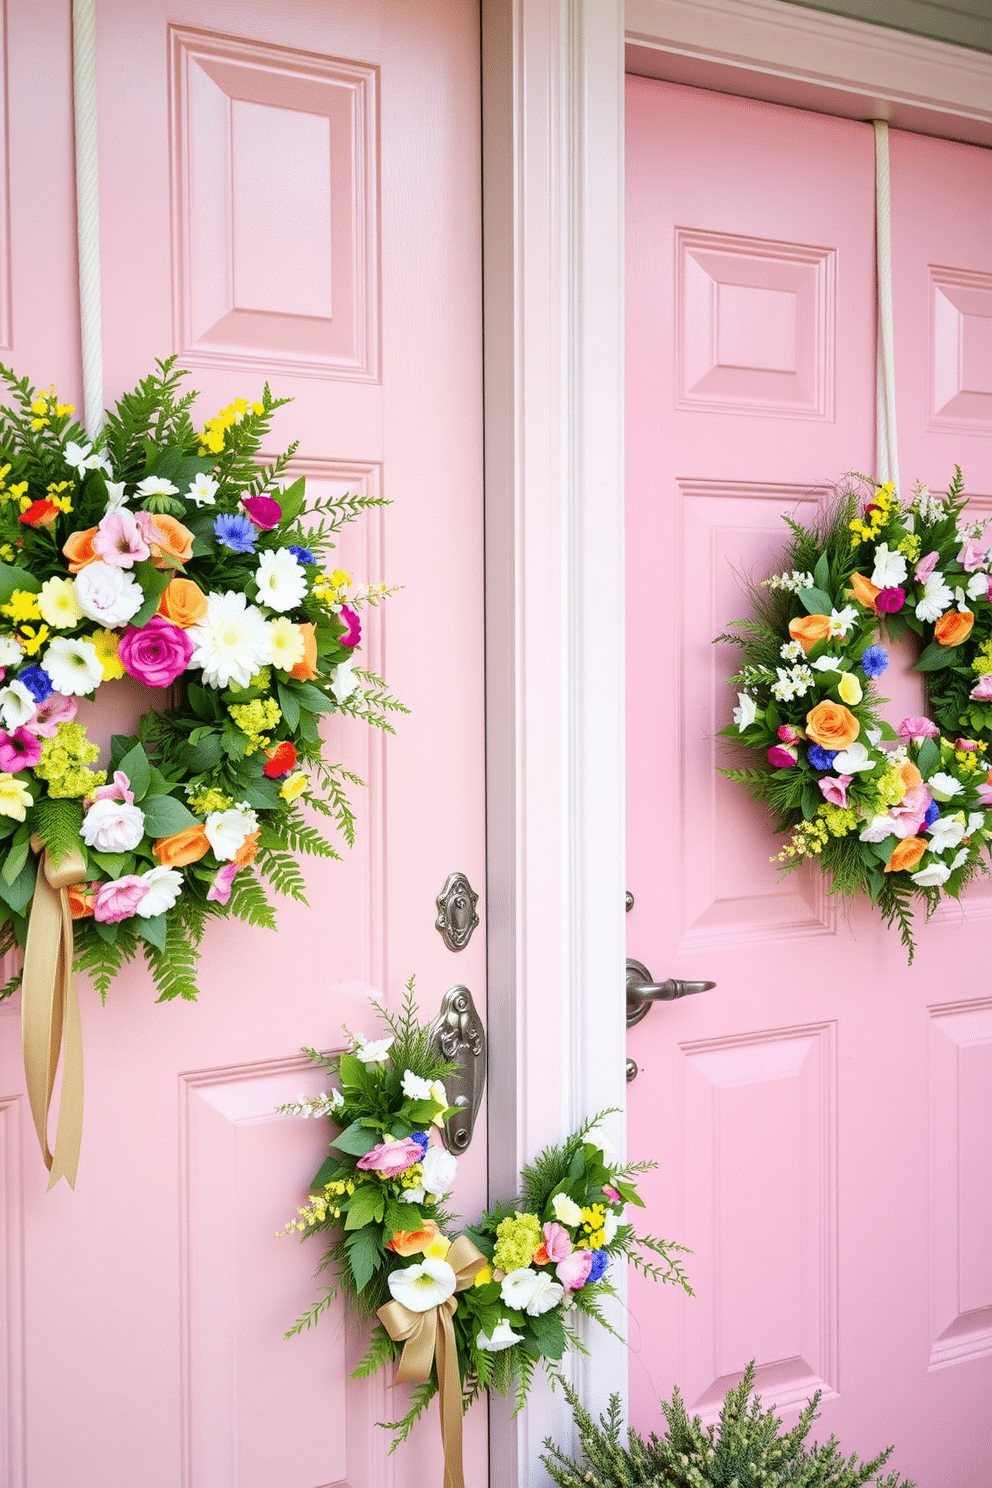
(174, 556)
(903, 813)
(511, 1287)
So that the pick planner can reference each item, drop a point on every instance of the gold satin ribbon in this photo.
(50, 1012)
(430, 1333)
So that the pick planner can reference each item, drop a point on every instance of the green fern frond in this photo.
(313, 1314)
(249, 902)
(174, 969)
(283, 872)
(420, 1398)
(57, 823)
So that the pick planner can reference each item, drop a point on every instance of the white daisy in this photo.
(232, 640)
(842, 620)
(936, 597)
(73, 665)
(287, 643)
(202, 490)
(282, 582)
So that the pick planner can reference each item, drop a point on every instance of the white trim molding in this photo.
(553, 217)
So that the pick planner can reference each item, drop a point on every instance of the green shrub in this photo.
(744, 1449)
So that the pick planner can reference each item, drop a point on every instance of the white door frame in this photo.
(553, 241)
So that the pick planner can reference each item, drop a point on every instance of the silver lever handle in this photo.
(642, 991)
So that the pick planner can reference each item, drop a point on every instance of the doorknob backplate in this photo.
(459, 1035)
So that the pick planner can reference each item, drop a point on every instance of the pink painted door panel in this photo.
(821, 1117)
(289, 193)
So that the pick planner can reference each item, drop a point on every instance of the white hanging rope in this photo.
(88, 208)
(886, 450)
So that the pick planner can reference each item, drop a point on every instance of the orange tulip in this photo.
(183, 602)
(178, 540)
(187, 846)
(910, 775)
(832, 726)
(953, 628)
(906, 854)
(808, 629)
(80, 898)
(306, 670)
(413, 1242)
(865, 591)
(78, 548)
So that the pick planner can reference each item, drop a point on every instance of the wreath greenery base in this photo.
(898, 813)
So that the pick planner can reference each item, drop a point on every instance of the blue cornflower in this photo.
(302, 555)
(37, 681)
(821, 759)
(933, 811)
(600, 1261)
(874, 661)
(236, 533)
(421, 1139)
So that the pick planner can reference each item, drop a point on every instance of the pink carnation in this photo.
(391, 1158)
(925, 567)
(613, 1195)
(557, 1241)
(262, 512)
(890, 601)
(156, 653)
(352, 633)
(220, 890)
(783, 756)
(834, 788)
(119, 899)
(574, 1270)
(917, 729)
(982, 690)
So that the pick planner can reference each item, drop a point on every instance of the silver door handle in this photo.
(642, 991)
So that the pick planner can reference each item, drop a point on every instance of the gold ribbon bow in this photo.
(425, 1334)
(50, 1012)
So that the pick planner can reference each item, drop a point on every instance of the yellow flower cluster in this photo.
(256, 719)
(966, 761)
(910, 547)
(16, 492)
(882, 502)
(206, 800)
(46, 406)
(330, 588)
(839, 819)
(55, 490)
(411, 1177)
(22, 605)
(593, 1220)
(983, 660)
(64, 760)
(891, 788)
(517, 1238)
(214, 430)
(807, 841)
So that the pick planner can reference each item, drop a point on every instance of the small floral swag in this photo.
(902, 814)
(542, 1260)
(173, 555)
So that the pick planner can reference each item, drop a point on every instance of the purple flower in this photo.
(19, 750)
(421, 1139)
(236, 533)
(821, 759)
(888, 601)
(783, 756)
(874, 661)
(600, 1261)
(263, 511)
(302, 555)
(37, 681)
(932, 813)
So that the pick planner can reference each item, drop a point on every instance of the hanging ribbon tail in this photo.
(429, 1336)
(50, 1023)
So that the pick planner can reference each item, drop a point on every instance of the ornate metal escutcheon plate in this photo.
(456, 916)
(458, 1035)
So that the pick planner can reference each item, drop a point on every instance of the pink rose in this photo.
(890, 601)
(156, 653)
(907, 818)
(834, 788)
(113, 826)
(574, 1270)
(119, 540)
(917, 729)
(55, 710)
(19, 750)
(783, 756)
(973, 554)
(118, 899)
(557, 1242)
(352, 633)
(982, 690)
(220, 890)
(925, 567)
(391, 1158)
(262, 512)
(788, 734)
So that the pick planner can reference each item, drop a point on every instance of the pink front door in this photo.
(822, 1117)
(289, 192)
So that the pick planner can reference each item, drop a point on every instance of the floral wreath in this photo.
(176, 556)
(902, 814)
(479, 1311)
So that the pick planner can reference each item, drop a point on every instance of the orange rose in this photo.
(187, 846)
(183, 602)
(248, 851)
(865, 591)
(178, 540)
(910, 775)
(413, 1242)
(808, 629)
(953, 628)
(906, 855)
(80, 898)
(306, 670)
(832, 726)
(78, 548)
